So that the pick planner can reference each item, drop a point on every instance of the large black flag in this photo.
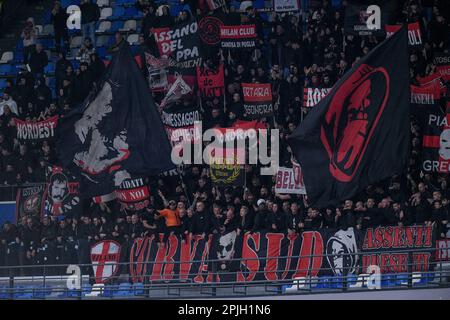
(359, 133)
(116, 132)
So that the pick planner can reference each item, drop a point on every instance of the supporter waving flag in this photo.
(116, 130)
(359, 133)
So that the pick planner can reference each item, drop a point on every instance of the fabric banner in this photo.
(182, 42)
(62, 194)
(443, 250)
(157, 72)
(179, 124)
(215, 4)
(414, 33)
(209, 28)
(238, 37)
(349, 140)
(288, 182)
(265, 256)
(211, 82)
(312, 96)
(133, 194)
(30, 201)
(117, 128)
(424, 96)
(224, 168)
(359, 15)
(398, 239)
(436, 140)
(36, 130)
(442, 62)
(177, 89)
(257, 100)
(105, 258)
(104, 198)
(285, 5)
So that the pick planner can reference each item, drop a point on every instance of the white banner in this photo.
(285, 5)
(288, 182)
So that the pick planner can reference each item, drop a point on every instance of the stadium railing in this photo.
(213, 283)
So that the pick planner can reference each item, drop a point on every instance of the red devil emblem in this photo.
(351, 119)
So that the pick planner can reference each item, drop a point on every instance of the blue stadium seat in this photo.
(138, 289)
(2, 84)
(116, 25)
(18, 56)
(352, 279)
(101, 52)
(110, 290)
(47, 17)
(131, 12)
(5, 69)
(4, 294)
(23, 292)
(66, 3)
(122, 2)
(324, 282)
(388, 280)
(124, 290)
(118, 13)
(47, 43)
(50, 68)
(86, 288)
(401, 278)
(41, 292)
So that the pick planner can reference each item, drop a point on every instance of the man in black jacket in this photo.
(200, 221)
(90, 13)
(260, 222)
(59, 18)
(38, 61)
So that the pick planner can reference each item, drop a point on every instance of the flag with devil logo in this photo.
(116, 132)
(359, 133)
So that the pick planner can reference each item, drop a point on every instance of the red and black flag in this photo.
(359, 133)
(436, 140)
(117, 128)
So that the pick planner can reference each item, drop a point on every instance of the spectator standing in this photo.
(59, 19)
(29, 36)
(90, 14)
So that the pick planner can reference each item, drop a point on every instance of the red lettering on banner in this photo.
(143, 247)
(272, 254)
(248, 253)
(203, 266)
(159, 261)
(388, 238)
(292, 238)
(312, 244)
(169, 266)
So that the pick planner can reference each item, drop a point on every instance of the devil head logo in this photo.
(351, 119)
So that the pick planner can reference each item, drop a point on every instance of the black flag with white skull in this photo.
(116, 132)
(359, 133)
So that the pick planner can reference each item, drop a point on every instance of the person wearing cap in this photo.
(172, 220)
(260, 222)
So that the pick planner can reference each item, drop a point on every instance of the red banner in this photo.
(210, 82)
(414, 34)
(240, 36)
(36, 131)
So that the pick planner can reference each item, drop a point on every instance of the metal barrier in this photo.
(213, 281)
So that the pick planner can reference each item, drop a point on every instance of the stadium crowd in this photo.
(309, 49)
